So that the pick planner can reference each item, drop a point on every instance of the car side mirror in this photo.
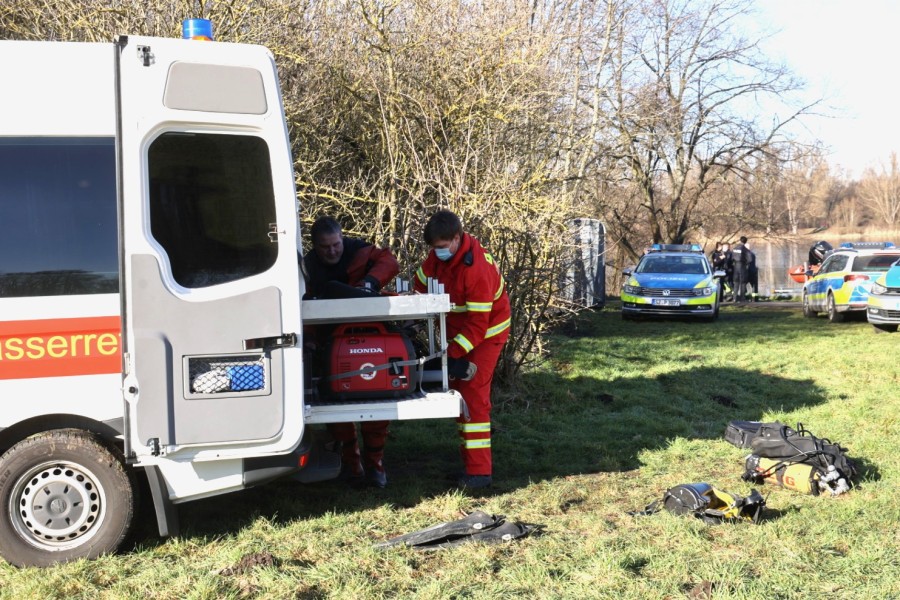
(628, 271)
(719, 274)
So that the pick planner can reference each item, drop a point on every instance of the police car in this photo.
(883, 308)
(842, 282)
(672, 280)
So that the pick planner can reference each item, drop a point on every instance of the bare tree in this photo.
(880, 191)
(843, 203)
(104, 20)
(683, 107)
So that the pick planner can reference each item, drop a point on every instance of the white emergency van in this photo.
(151, 319)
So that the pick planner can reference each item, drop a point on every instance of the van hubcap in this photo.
(55, 505)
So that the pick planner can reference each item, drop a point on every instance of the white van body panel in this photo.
(70, 85)
(97, 397)
(71, 88)
(71, 93)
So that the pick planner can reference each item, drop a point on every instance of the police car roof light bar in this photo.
(867, 245)
(676, 248)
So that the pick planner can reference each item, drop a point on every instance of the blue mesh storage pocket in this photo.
(211, 375)
(247, 377)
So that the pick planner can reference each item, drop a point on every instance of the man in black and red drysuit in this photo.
(477, 328)
(343, 261)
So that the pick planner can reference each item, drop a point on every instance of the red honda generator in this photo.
(370, 360)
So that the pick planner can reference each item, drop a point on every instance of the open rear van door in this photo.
(211, 292)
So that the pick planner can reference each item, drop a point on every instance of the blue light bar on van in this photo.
(196, 29)
(868, 245)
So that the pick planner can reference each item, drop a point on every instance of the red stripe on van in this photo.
(60, 347)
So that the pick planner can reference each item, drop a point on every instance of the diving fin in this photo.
(505, 532)
(441, 533)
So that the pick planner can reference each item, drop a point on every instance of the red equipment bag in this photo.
(355, 348)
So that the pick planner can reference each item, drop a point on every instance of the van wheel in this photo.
(808, 312)
(64, 495)
(833, 315)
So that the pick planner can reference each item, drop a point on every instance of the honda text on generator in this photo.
(150, 300)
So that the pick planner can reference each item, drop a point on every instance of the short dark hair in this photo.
(443, 225)
(324, 226)
(743, 239)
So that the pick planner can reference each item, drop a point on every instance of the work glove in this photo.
(432, 364)
(460, 368)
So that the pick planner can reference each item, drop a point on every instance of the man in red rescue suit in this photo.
(335, 263)
(477, 328)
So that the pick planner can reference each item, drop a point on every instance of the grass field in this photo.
(618, 413)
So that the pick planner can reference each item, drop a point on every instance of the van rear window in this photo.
(58, 230)
(212, 204)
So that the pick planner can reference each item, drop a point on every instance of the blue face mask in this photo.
(443, 253)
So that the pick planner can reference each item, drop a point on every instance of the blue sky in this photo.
(846, 51)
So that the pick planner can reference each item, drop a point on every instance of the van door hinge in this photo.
(274, 232)
(145, 55)
(285, 340)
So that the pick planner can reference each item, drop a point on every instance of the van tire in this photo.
(91, 499)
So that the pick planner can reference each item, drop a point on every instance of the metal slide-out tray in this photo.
(430, 405)
(419, 405)
(379, 308)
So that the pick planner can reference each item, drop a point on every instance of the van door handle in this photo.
(285, 340)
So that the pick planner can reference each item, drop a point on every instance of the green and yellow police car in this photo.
(842, 283)
(672, 280)
(883, 307)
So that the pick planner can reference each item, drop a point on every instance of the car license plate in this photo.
(667, 301)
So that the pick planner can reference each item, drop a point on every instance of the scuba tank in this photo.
(797, 476)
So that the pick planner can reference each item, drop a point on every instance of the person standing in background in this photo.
(718, 261)
(729, 269)
(752, 274)
(739, 261)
